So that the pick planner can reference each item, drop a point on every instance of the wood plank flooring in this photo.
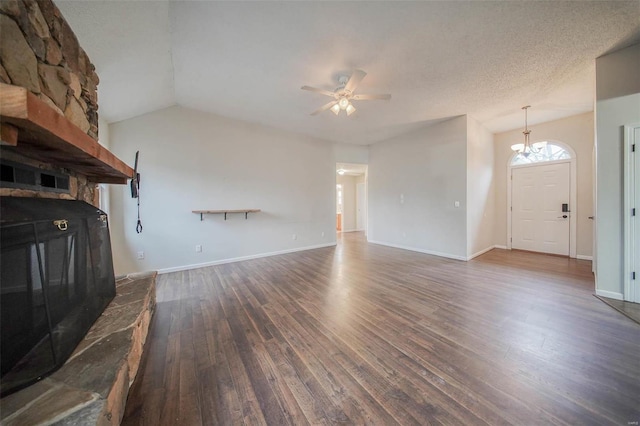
(367, 334)
(629, 309)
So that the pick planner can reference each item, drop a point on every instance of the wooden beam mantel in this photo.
(36, 130)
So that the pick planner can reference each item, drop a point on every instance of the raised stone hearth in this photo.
(91, 388)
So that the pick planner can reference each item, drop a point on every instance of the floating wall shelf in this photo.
(245, 211)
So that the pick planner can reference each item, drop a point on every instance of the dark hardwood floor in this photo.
(367, 334)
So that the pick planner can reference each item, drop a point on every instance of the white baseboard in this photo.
(351, 230)
(583, 257)
(434, 253)
(498, 246)
(240, 259)
(480, 252)
(610, 294)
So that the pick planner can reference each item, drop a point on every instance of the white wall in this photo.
(480, 189)
(348, 202)
(575, 131)
(618, 103)
(362, 179)
(103, 139)
(191, 160)
(428, 167)
(349, 153)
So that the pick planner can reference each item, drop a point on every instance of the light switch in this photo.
(456, 204)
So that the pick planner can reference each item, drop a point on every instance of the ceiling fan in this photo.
(343, 95)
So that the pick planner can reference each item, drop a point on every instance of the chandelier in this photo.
(527, 148)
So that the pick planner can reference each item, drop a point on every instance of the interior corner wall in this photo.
(618, 104)
(103, 139)
(480, 188)
(414, 181)
(575, 131)
(103, 133)
(191, 160)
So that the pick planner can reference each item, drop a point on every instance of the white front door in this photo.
(537, 220)
(361, 207)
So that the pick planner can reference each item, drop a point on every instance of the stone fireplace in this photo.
(57, 274)
(40, 53)
(56, 279)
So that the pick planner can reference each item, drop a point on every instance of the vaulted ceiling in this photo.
(248, 60)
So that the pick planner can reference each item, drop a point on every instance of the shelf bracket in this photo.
(224, 212)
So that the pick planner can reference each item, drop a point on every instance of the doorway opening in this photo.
(542, 200)
(631, 205)
(351, 197)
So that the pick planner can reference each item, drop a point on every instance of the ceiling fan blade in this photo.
(321, 91)
(355, 79)
(324, 107)
(370, 97)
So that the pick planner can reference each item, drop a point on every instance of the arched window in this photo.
(544, 151)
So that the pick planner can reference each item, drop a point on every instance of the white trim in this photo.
(573, 193)
(499, 246)
(480, 252)
(540, 163)
(594, 193)
(419, 250)
(609, 294)
(630, 231)
(242, 258)
(583, 257)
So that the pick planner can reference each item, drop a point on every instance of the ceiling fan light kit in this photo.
(350, 109)
(343, 95)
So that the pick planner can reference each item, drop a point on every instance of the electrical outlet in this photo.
(198, 248)
(140, 255)
(322, 234)
(294, 237)
(456, 204)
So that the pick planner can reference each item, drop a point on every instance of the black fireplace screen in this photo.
(56, 279)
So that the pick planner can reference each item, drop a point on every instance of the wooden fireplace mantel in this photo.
(34, 129)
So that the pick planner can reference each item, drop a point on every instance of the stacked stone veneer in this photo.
(79, 187)
(39, 51)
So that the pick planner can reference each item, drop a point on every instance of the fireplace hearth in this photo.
(56, 279)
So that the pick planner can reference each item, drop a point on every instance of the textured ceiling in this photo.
(247, 60)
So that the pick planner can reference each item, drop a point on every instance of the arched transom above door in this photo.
(543, 152)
